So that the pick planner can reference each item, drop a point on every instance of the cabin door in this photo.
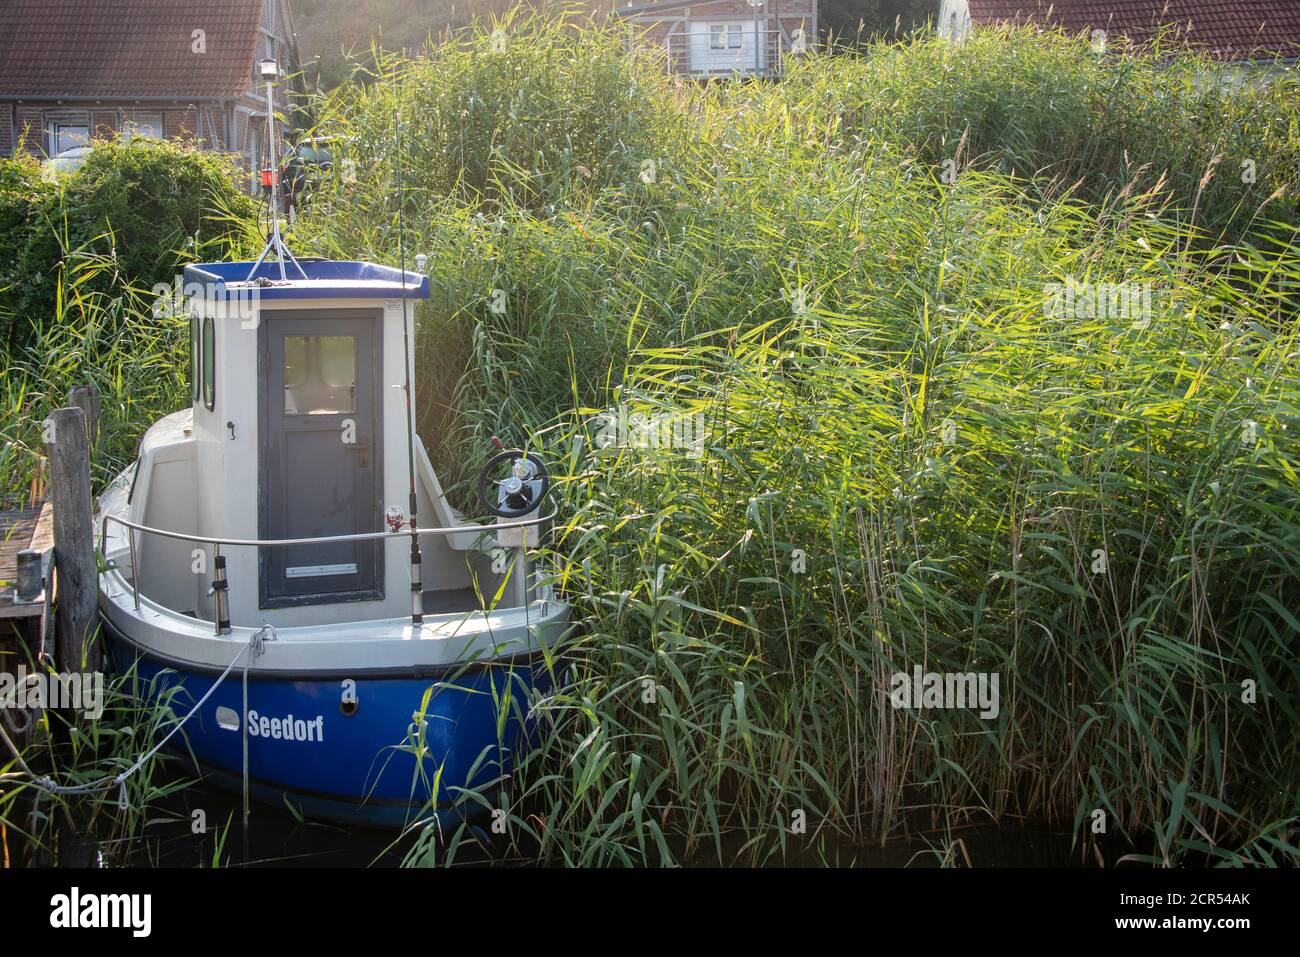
(321, 460)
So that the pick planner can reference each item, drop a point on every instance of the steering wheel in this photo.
(522, 488)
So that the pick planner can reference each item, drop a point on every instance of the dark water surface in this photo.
(276, 838)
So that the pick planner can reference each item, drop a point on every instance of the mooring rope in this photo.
(47, 784)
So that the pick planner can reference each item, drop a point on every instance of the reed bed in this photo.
(908, 459)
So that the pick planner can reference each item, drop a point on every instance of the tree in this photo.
(852, 21)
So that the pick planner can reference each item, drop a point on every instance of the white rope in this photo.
(47, 784)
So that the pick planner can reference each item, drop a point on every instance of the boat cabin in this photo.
(297, 430)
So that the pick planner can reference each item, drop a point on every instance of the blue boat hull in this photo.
(404, 752)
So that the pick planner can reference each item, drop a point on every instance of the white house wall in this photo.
(954, 19)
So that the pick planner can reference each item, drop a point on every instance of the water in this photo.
(277, 838)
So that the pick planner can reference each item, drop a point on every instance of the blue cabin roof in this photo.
(326, 279)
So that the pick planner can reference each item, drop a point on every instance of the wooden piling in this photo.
(74, 541)
(86, 398)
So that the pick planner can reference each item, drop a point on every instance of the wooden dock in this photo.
(26, 628)
(36, 632)
(28, 528)
(39, 630)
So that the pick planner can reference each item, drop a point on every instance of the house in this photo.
(723, 37)
(76, 70)
(1253, 34)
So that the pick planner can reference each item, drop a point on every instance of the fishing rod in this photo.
(417, 587)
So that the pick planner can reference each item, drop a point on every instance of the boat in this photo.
(282, 568)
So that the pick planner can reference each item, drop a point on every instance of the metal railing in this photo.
(219, 584)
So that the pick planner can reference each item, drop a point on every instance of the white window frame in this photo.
(131, 124)
(732, 33)
(56, 132)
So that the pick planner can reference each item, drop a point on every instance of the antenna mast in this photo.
(269, 70)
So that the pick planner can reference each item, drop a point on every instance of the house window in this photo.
(209, 359)
(725, 36)
(256, 148)
(143, 124)
(64, 136)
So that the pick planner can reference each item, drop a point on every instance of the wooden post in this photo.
(86, 398)
(74, 541)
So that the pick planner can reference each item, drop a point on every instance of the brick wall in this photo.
(6, 129)
(103, 123)
(29, 129)
(181, 124)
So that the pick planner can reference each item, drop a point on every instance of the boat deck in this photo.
(452, 600)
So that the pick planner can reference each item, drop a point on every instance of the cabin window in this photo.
(725, 36)
(194, 359)
(208, 352)
(320, 374)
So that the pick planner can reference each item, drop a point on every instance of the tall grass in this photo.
(89, 821)
(909, 460)
(1225, 149)
(136, 356)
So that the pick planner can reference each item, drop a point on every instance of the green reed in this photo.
(893, 408)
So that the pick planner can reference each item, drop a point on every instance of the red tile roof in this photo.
(1226, 29)
(127, 48)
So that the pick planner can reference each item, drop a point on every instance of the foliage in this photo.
(142, 208)
(136, 356)
(22, 190)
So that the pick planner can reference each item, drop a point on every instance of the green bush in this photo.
(22, 191)
(138, 359)
(537, 115)
(1224, 154)
(144, 207)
